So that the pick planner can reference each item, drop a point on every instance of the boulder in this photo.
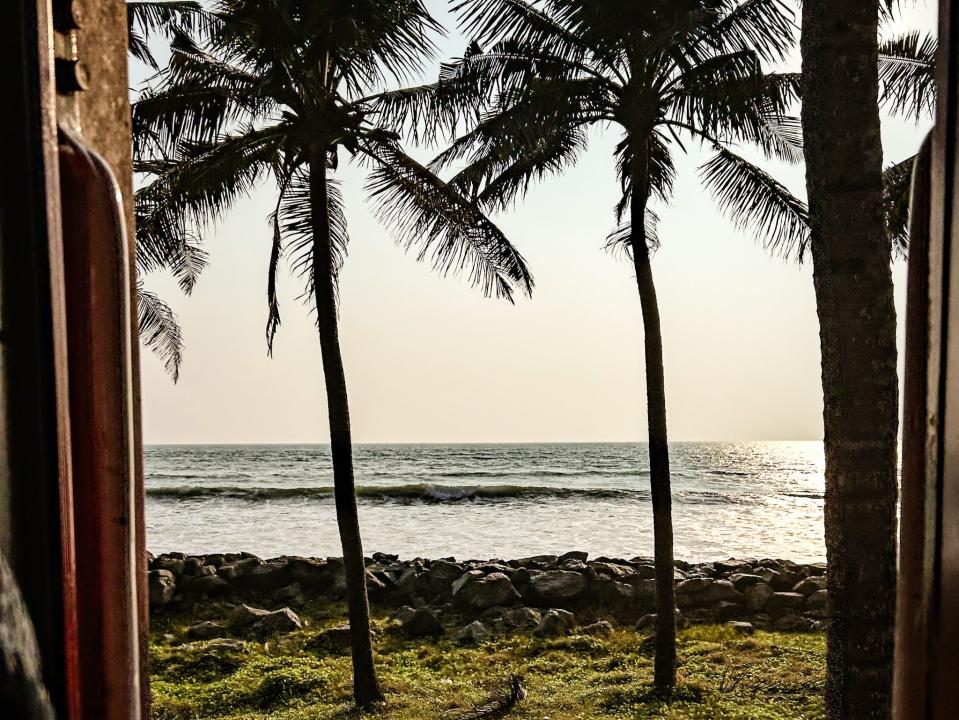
(784, 581)
(522, 617)
(287, 593)
(611, 571)
(309, 573)
(693, 586)
(741, 581)
(205, 585)
(441, 576)
(206, 630)
(810, 585)
(557, 586)
(167, 562)
(473, 634)
(818, 604)
(741, 627)
(538, 561)
(193, 566)
(555, 623)
(339, 636)
(781, 603)
(283, 620)
(574, 555)
(485, 591)
(720, 591)
(597, 629)
(268, 576)
(613, 594)
(246, 615)
(757, 596)
(162, 586)
(423, 623)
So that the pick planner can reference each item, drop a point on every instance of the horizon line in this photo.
(492, 442)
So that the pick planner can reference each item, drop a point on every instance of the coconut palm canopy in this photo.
(907, 77)
(272, 83)
(665, 73)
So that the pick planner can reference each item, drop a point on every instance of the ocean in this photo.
(739, 499)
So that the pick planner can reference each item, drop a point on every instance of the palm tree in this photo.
(658, 71)
(908, 89)
(857, 317)
(176, 251)
(280, 90)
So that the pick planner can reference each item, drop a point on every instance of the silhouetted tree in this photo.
(174, 249)
(857, 318)
(659, 71)
(279, 90)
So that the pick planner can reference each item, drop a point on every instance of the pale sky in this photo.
(429, 359)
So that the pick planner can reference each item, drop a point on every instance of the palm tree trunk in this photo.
(857, 330)
(664, 676)
(366, 689)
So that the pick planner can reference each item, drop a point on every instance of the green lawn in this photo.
(299, 677)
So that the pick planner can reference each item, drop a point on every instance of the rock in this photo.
(726, 610)
(162, 586)
(612, 571)
(246, 615)
(206, 585)
(741, 627)
(556, 586)
(192, 566)
(464, 580)
(523, 617)
(166, 562)
(574, 555)
(538, 561)
(784, 580)
(475, 633)
(818, 604)
(283, 620)
(720, 591)
(646, 622)
(757, 596)
(791, 622)
(206, 630)
(810, 585)
(780, 603)
(614, 594)
(598, 629)
(288, 593)
(693, 586)
(741, 581)
(703, 616)
(339, 636)
(403, 614)
(268, 576)
(485, 591)
(310, 573)
(423, 623)
(555, 623)
(441, 576)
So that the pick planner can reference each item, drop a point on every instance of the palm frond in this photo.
(621, 239)
(148, 17)
(907, 74)
(766, 27)
(896, 196)
(448, 228)
(752, 199)
(160, 330)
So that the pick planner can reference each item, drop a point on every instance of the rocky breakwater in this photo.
(551, 595)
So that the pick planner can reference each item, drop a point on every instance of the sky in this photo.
(429, 359)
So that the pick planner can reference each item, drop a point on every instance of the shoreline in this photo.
(763, 593)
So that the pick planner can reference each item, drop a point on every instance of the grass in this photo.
(722, 675)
